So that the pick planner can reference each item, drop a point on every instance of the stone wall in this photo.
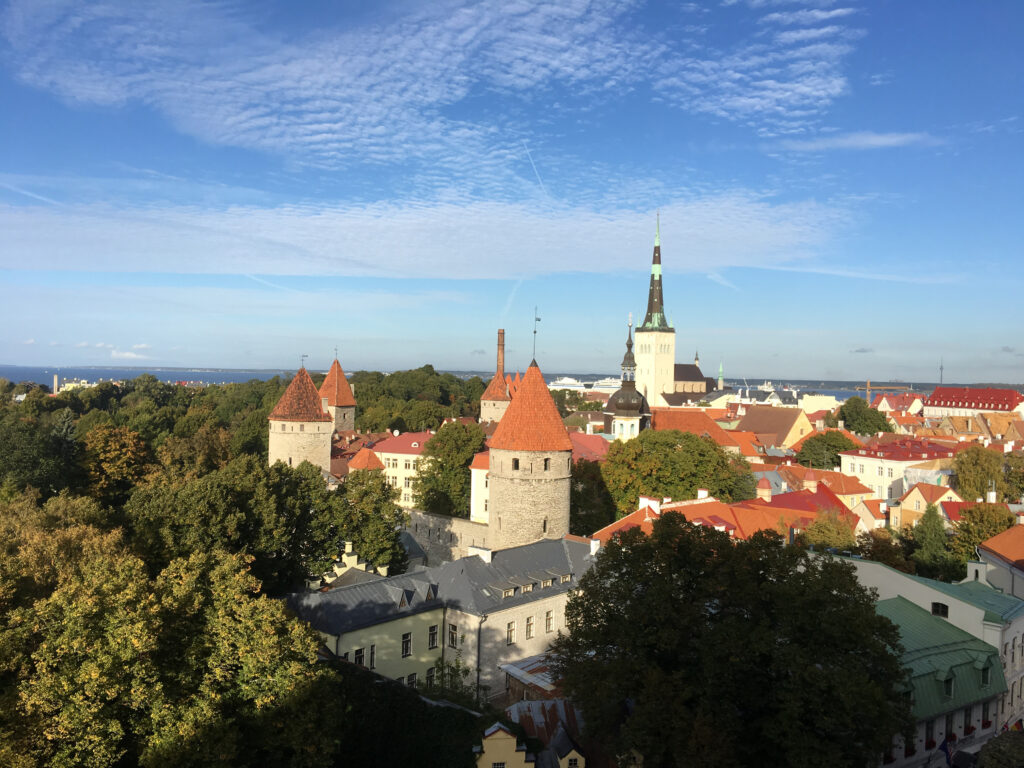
(344, 417)
(445, 538)
(529, 496)
(492, 410)
(294, 442)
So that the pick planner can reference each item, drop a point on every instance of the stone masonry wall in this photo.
(445, 538)
(492, 410)
(344, 417)
(296, 441)
(529, 503)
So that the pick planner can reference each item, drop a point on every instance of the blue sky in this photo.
(236, 183)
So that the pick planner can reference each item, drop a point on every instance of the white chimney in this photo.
(702, 493)
(990, 497)
(647, 501)
(594, 546)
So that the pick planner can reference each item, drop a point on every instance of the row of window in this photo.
(967, 724)
(409, 463)
(544, 584)
(546, 465)
(453, 639)
(359, 657)
(510, 628)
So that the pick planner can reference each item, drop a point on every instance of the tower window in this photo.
(515, 464)
(547, 464)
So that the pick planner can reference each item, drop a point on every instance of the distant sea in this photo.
(44, 375)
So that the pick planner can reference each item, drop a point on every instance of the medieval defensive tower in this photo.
(337, 400)
(300, 430)
(530, 467)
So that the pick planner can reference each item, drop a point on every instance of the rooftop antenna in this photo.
(535, 321)
(302, 361)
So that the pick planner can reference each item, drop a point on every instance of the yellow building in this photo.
(501, 749)
(914, 502)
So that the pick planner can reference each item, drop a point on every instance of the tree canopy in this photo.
(688, 647)
(414, 400)
(860, 418)
(673, 464)
(442, 483)
(978, 471)
(822, 451)
(931, 547)
(978, 523)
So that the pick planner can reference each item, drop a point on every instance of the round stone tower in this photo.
(530, 468)
(300, 430)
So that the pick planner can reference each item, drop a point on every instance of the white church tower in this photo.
(655, 341)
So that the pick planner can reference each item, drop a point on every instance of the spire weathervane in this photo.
(335, 351)
(535, 321)
(302, 361)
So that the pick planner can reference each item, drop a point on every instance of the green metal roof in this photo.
(935, 650)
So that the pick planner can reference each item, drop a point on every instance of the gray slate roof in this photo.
(468, 584)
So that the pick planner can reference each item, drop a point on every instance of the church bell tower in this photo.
(655, 340)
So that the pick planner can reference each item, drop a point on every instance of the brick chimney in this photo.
(764, 489)
(811, 481)
(501, 351)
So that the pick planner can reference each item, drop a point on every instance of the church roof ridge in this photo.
(336, 388)
(300, 401)
(532, 422)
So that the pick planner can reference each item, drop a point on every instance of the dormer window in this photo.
(508, 592)
(565, 578)
(546, 583)
(986, 675)
(947, 687)
(941, 610)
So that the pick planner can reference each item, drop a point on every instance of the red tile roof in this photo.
(986, 399)
(931, 493)
(589, 447)
(691, 420)
(336, 389)
(408, 442)
(498, 389)
(481, 460)
(531, 422)
(874, 506)
(1009, 544)
(906, 449)
(300, 402)
(365, 459)
(843, 485)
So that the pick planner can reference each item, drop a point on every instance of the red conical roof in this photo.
(531, 422)
(365, 459)
(497, 389)
(336, 389)
(300, 402)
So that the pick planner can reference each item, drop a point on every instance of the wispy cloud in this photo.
(82, 344)
(717, 278)
(861, 140)
(861, 351)
(29, 341)
(140, 346)
(815, 16)
(119, 354)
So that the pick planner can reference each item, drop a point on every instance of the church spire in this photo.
(655, 319)
(628, 361)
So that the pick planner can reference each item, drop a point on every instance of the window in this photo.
(411, 680)
(549, 621)
(879, 471)
(407, 644)
(574, 762)
(373, 657)
(546, 583)
(929, 731)
(453, 635)
(432, 636)
(947, 688)
(408, 464)
(986, 677)
(862, 469)
(302, 427)
(527, 587)
(515, 463)
(940, 609)
(345, 656)
(405, 497)
(508, 592)
(985, 713)
(566, 578)
(510, 633)
(890, 471)
(408, 482)
(498, 765)
(430, 677)
(359, 656)
(917, 505)
(968, 716)
(547, 464)
(529, 627)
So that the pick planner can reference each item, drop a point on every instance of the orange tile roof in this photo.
(1009, 545)
(408, 442)
(589, 447)
(497, 390)
(365, 459)
(481, 460)
(300, 402)
(931, 493)
(747, 441)
(531, 422)
(336, 389)
(874, 506)
(691, 420)
(838, 483)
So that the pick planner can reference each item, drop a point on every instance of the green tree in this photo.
(673, 464)
(1013, 471)
(1003, 751)
(828, 531)
(978, 523)
(931, 548)
(822, 451)
(116, 459)
(857, 416)
(442, 483)
(591, 506)
(28, 457)
(879, 545)
(372, 520)
(979, 470)
(686, 643)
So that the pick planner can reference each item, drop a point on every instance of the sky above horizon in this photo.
(234, 184)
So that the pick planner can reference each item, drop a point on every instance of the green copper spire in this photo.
(719, 370)
(655, 319)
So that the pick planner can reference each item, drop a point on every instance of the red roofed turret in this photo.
(532, 421)
(336, 389)
(365, 459)
(495, 398)
(300, 402)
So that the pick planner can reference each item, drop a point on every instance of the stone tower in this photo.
(530, 467)
(495, 399)
(655, 340)
(300, 430)
(337, 400)
(626, 413)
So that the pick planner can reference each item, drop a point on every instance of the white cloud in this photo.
(806, 17)
(103, 345)
(29, 341)
(420, 239)
(118, 354)
(140, 346)
(82, 344)
(861, 140)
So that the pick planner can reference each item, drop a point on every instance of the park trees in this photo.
(978, 471)
(978, 523)
(931, 550)
(689, 647)
(862, 419)
(591, 506)
(822, 451)
(828, 531)
(442, 484)
(673, 464)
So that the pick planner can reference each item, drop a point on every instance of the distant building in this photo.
(400, 455)
(337, 398)
(964, 401)
(300, 428)
(888, 468)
